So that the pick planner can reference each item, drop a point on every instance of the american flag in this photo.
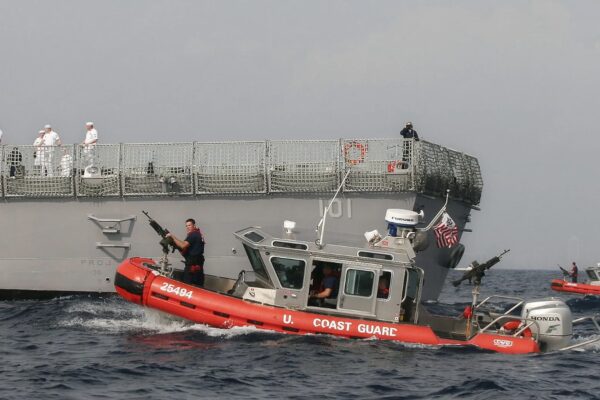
(446, 232)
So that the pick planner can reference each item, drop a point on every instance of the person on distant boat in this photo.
(192, 249)
(408, 132)
(38, 152)
(50, 140)
(91, 138)
(328, 288)
(574, 272)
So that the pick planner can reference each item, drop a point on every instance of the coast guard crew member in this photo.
(192, 249)
(574, 272)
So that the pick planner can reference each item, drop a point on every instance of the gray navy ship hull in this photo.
(69, 220)
(67, 251)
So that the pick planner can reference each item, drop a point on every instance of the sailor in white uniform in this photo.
(89, 144)
(37, 154)
(66, 163)
(51, 139)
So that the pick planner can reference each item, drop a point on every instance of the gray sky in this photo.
(514, 83)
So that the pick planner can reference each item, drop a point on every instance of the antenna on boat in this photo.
(321, 225)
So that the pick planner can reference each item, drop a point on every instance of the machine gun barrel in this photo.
(479, 271)
(564, 271)
(166, 242)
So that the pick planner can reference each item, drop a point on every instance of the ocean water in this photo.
(105, 348)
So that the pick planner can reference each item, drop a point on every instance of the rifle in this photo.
(478, 270)
(166, 241)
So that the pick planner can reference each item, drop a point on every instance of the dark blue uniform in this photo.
(409, 133)
(194, 259)
(330, 282)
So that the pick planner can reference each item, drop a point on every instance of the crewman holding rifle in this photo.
(572, 274)
(192, 249)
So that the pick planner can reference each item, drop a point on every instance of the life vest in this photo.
(196, 230)
(513, 326)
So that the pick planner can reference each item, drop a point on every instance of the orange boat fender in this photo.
(467, 312)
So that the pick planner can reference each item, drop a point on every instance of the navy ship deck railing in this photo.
(238, 168)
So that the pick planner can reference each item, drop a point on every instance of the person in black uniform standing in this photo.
(408, 132)
(192, 249)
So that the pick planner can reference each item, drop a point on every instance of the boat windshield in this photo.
(593, 274)
(290, 272)
(256, 261)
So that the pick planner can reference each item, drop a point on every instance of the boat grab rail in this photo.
(495, 296)
(525, 322)
(594, 319)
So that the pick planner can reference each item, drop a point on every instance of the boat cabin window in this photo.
(256, 262)
(290, 245)
(593, 274)
(383, 287)
(411, 283)
(290, 272)
(378, 256)
(253, 236)
(359, 283)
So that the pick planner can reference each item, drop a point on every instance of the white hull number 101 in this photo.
(337, 208)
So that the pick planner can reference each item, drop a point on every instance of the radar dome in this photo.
(403, 217)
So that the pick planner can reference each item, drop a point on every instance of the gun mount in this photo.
(478, 270)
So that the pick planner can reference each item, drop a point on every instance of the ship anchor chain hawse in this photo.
(376, 292)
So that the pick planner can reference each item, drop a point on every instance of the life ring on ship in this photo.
(456, 255)
(352, 147)
(513, 326)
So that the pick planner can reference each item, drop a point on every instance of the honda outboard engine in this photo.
(554, 322)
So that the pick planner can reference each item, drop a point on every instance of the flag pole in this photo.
(321, 224)
(438, 215)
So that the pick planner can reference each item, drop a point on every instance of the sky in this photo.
(514, 83)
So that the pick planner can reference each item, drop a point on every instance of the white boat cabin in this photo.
(382, 284)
